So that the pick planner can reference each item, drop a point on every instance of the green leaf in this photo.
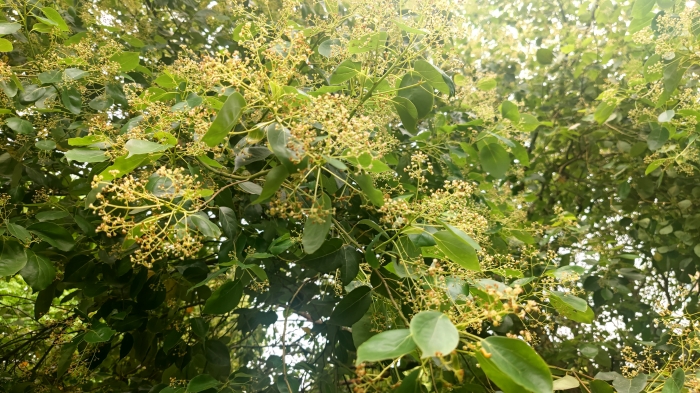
(273, 181)
(86, 155)
(326, 47)
(520, 153)
(210, 277)
(658, 136)
(407, 113)
(409, 29)
(229, 222)
(598, 386)
(603, 112)
(75, 73)
(411, 383)
(46, 145)
(386, 345)
(72, 100)
(675, 383)
(86, 140)
(457, 249)
(503, 381)
(65, 358)
(9, 28)
(510, 111)
(56, 18)
(352, 307)
(486, 84)
(5, 45)
(642, 7)
(349, 264)
(494, 160)
(434, 333)
(225, 298)
(201, 383)
(345, 71)
(50, 77)
(204, 225)
(133, 41)
(75, 38)
(565, 383)
(39, 272)
(53, 234)
(317, 225)
(99, 334)
(280, 140)
(128, 61)
(368, 43)
(139, 147)
(101, 103)
(653, 166)
(225, 120)
(544, 56)
(20, 126)
(122, 166)
(519, 362)
(463, 236)
(634, 385)
(418, 90)
(19, 232)
(666, 116)
(251, 188)
(367, 186)
(12, 257)
(571, 307)
(435, 76)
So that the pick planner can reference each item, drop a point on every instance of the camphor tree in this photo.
(360, 196)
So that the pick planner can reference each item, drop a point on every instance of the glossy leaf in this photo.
(53, 234)
(519, 362)
(434, 333)
(225, 120)
(390, 344)
(225, 298)
(457, 249)
(352, 307)
(39, 272)
(12, 258)
(317, 226)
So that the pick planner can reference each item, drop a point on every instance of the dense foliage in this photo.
(360, 196)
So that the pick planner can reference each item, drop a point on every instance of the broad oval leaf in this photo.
(39, 272)
(457, 249)
(434, 333)
(386, 345)
(419, 91)
(201, 383)
(137, 147)
(571, 307)
(352, 307)
(519, 362)
(86, 155)
(225, 298)
(12, 257)
(495, 160)
(53, 234)
(345, 71)
(229, 221)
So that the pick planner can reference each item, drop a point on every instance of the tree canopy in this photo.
(289, 196)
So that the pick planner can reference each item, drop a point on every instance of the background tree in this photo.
(361, 196)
